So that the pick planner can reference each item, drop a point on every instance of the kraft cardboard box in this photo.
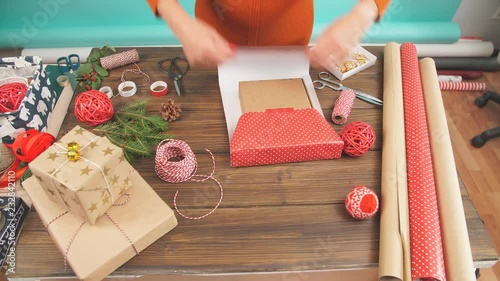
(260, 95)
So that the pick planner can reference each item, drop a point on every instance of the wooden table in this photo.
(279, 218)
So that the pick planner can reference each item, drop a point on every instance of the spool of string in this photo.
(11, 96)
(358, 138)
(175, 162)
(93, 107)
(343, 106)
(6, 158)
(120, 59)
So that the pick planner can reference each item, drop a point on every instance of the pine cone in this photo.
(170, 111)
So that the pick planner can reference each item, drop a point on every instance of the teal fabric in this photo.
(71, 23)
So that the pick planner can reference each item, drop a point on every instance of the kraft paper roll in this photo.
(60, 110)
(457, 250)
(466, 48)
(427, 260)
(394, 256)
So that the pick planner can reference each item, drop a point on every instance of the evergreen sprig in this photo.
(134, 131)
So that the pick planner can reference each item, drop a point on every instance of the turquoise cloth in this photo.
(69, 23)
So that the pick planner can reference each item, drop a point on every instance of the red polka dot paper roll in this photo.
(427, 259)
(343, 107)
(462, 86)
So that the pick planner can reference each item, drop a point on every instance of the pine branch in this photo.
(134, 131)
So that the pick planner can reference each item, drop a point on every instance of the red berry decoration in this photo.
(362, 203)
(93, 107)
(85, 76)
(358, 138)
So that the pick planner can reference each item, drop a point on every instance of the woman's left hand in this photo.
(340, 39)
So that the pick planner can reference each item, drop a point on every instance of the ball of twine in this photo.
(93, 107)
(362, 202)
(358, 138)
(11, 96)
(175, 162)
(6, 158)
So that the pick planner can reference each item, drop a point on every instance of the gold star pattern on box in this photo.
(108, 151)
(85, 171)
(79, 131)
(53, 156)
(93, 207)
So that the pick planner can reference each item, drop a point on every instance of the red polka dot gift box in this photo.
(283, 136)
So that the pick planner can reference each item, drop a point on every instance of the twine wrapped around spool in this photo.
(6, 158)
(120, 59)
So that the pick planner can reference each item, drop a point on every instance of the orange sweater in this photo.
(261, 22)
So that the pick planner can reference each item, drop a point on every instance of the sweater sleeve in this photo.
(382, 7)
(154, 6)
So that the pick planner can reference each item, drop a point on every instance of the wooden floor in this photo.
(478, 167)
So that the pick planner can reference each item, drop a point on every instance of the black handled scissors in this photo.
(176, 68)
(69, 63)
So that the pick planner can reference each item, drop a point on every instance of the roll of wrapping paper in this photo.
(120, 59)
(465, 74)
(457, 250)
(462, 48)
(479, 64)
(343, 106)
(394, 255)
(426, 245)
(462, 86)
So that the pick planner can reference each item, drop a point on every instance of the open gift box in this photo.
(279, 135)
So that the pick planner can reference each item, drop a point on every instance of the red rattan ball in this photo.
(358, 138)
(93, 107)
(11, 96)
(361, 202)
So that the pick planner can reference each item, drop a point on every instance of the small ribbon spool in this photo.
(128, 93)
(162, 91)
(107, 90)
(62, 81)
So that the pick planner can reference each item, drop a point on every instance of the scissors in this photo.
(178, 67)
(326, 80)
(69, 63)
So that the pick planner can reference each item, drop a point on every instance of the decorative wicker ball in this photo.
(361, 202)
(358, 138)
(7, 157)
(93, 107)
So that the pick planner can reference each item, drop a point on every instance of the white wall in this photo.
(474, 18)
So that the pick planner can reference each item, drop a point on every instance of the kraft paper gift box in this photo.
(143, 219)
(86, 187)
(283, 136)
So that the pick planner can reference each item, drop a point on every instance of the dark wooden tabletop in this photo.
(288, 217)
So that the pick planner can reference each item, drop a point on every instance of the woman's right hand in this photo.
(204, 46)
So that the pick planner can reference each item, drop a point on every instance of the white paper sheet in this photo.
(261, 63)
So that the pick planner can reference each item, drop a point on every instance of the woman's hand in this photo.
(340, 39)
(204, 46)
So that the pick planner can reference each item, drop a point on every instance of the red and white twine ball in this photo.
(175, 162)
(358, 138)
(11, 96)
(362, 203)
(93, 107)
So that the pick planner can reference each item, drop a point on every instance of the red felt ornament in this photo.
(361, 203)
(93, 107)
(11, 96)
(358, 138)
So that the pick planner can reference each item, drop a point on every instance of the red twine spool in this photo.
(175, 162)
(93, 107)
(343, 106)
(11, 96)
(361, 203)
(358, 138)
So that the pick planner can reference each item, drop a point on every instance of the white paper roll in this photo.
(50, 55)
(465, 48)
